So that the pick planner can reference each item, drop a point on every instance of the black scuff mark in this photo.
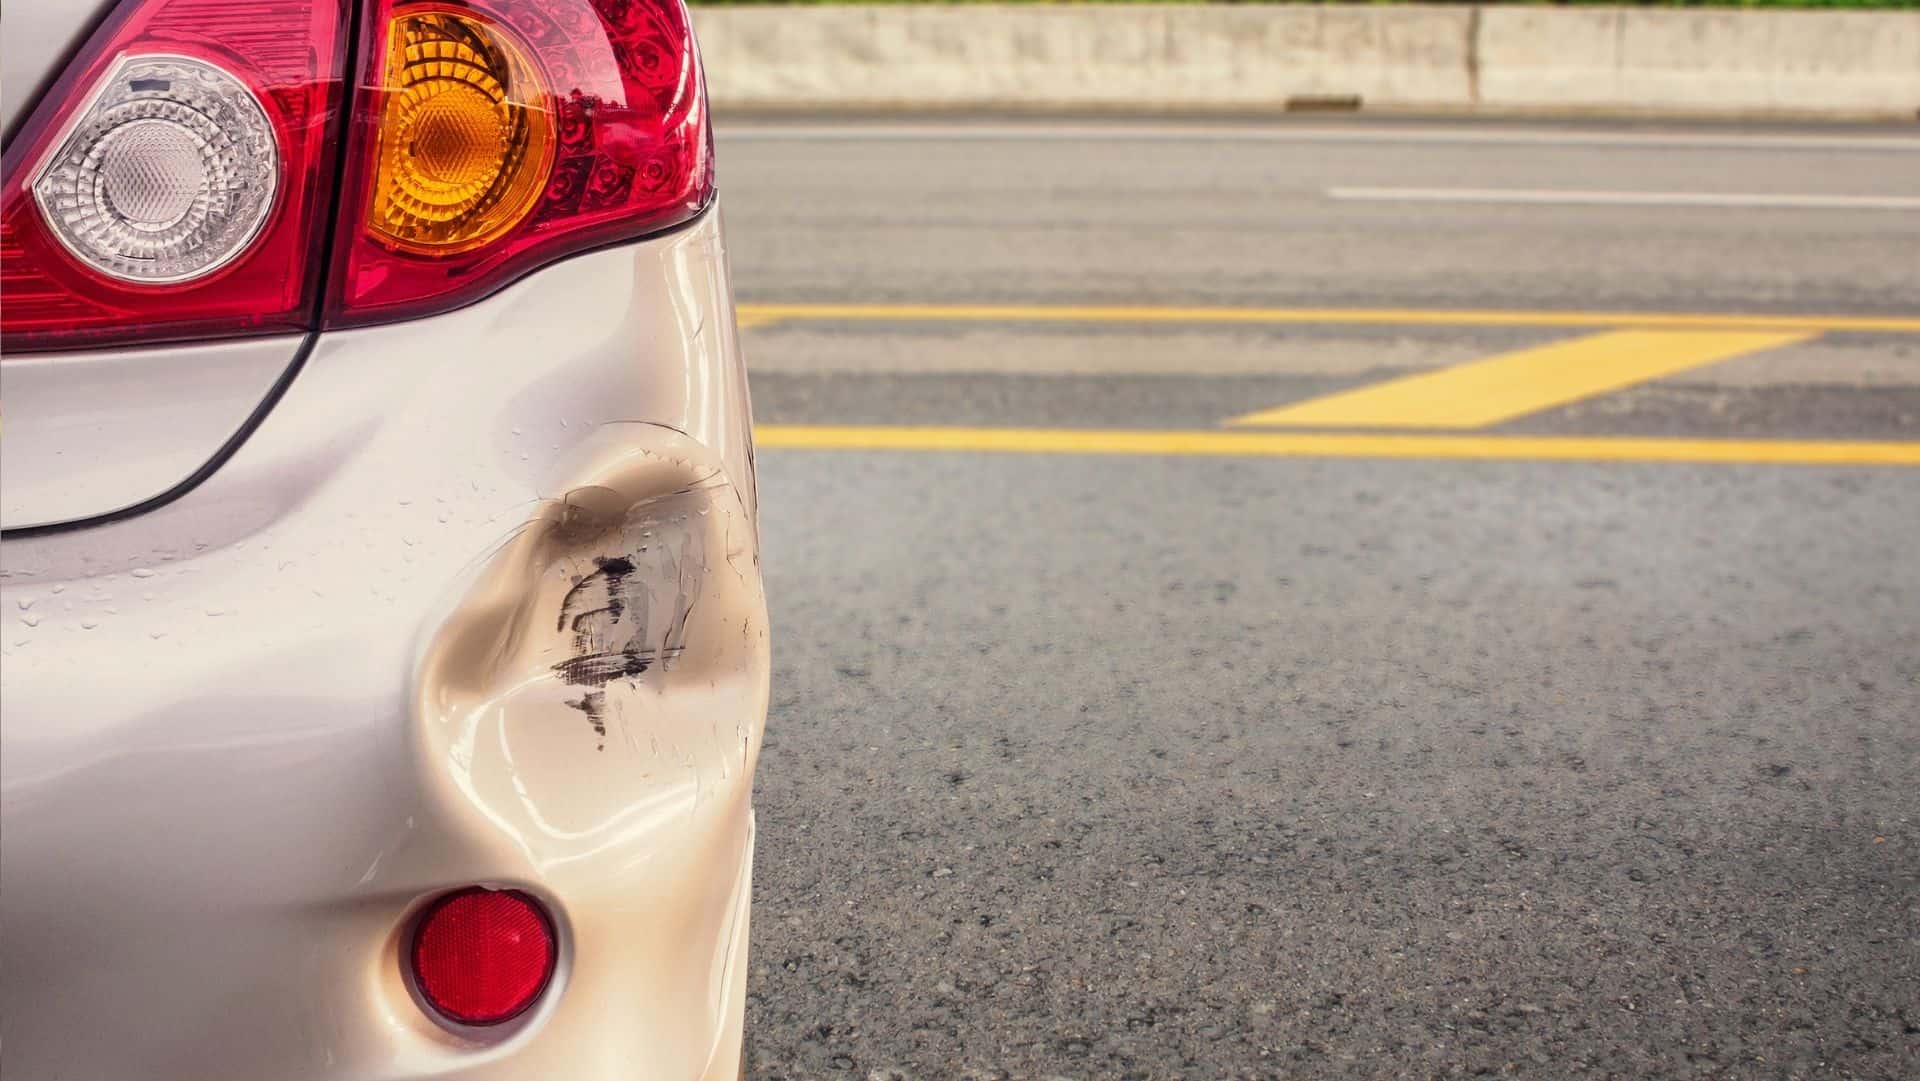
(629, 615)
(600, 669)
(594, 705)
(607, 584)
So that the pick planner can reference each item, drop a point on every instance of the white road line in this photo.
(1575, 196)
(961, 131)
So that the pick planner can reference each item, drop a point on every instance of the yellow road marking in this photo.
(1326, 445)
(1499, 388)
(762, 314)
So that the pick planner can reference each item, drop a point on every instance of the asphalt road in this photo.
(934, 211)
(1220, 766)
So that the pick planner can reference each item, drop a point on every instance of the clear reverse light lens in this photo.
(168, 175)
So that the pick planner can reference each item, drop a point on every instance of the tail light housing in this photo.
(183, 180)
(595, 131)
(176, 181)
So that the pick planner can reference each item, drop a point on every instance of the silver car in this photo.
(385, 655)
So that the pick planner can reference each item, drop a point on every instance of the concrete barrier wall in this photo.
(1782, 63)
(1266, 58)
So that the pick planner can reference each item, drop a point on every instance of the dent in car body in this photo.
(622, 602)
(334, 699)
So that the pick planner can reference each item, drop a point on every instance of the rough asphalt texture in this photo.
(1674, 408)
(1225, 222)
(1109, 768)
(1201, 768)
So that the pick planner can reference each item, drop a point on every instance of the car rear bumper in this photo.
(478, 602)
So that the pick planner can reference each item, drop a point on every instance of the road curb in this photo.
(1277, 58)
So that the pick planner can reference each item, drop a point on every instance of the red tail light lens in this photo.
(482, 957)
(494, 135)
(179, 181)
(176, 182)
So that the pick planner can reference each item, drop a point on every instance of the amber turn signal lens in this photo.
(466, 135)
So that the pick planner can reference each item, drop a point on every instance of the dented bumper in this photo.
(479, 602)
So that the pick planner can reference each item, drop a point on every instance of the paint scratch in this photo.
(628, 616)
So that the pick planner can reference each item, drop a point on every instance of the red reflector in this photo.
(481, 957)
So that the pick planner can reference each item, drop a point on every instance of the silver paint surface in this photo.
(91, 433)
(249, 733)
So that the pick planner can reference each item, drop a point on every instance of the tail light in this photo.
(175, 182)
(482, 957)
(180, 181)
(496, 135)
